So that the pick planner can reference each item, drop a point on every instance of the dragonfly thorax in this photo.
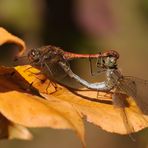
(113, 76)
(109, 62)
(45, 55)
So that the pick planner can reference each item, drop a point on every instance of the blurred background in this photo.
(81, 26)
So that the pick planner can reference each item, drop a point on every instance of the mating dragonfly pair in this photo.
(136, 88)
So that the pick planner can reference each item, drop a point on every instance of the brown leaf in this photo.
(10, 130)
(103, 113)
(6, 37)
(30, 99)
(99, 111)
(33, 111)
(19, 107)
(4, 123)
(39, 81)
(19, 132)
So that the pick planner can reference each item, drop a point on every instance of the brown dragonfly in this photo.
(49, 59)
(121, 86)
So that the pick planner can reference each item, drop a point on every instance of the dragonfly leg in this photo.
(91, 69)
(54, 85)
(27, 69)
(50, 83)
(101, 96)
(35, 73)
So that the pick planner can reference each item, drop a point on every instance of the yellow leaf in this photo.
(99, 111)
(30, 74)
(4, 123)
(103, 113)
(11, 130)
(22, 108)
(33, 111)
(6, 37)
(32, 100)
(19, 132)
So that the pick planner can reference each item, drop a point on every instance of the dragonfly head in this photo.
(34, 55)
(108, 60)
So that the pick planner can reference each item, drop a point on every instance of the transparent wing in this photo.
(137, 89)
(54, 71)
(120, 103)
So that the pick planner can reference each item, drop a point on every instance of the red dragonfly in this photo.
(49, 57)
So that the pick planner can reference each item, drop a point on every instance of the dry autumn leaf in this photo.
(47, 106)
(35, 111)
(10, 130)
(100, 112)
(6, 37)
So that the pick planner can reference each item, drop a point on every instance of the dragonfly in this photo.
(49, 59)
(121, 87)
(48, 55)
(115, 81)
(107, 61)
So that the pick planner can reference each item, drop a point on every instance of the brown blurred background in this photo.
(81, 26)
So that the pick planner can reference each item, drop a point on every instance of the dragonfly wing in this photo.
(120, 103)
(137, 89)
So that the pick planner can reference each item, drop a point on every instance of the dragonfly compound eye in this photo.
(34, 55)
(111, 62)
